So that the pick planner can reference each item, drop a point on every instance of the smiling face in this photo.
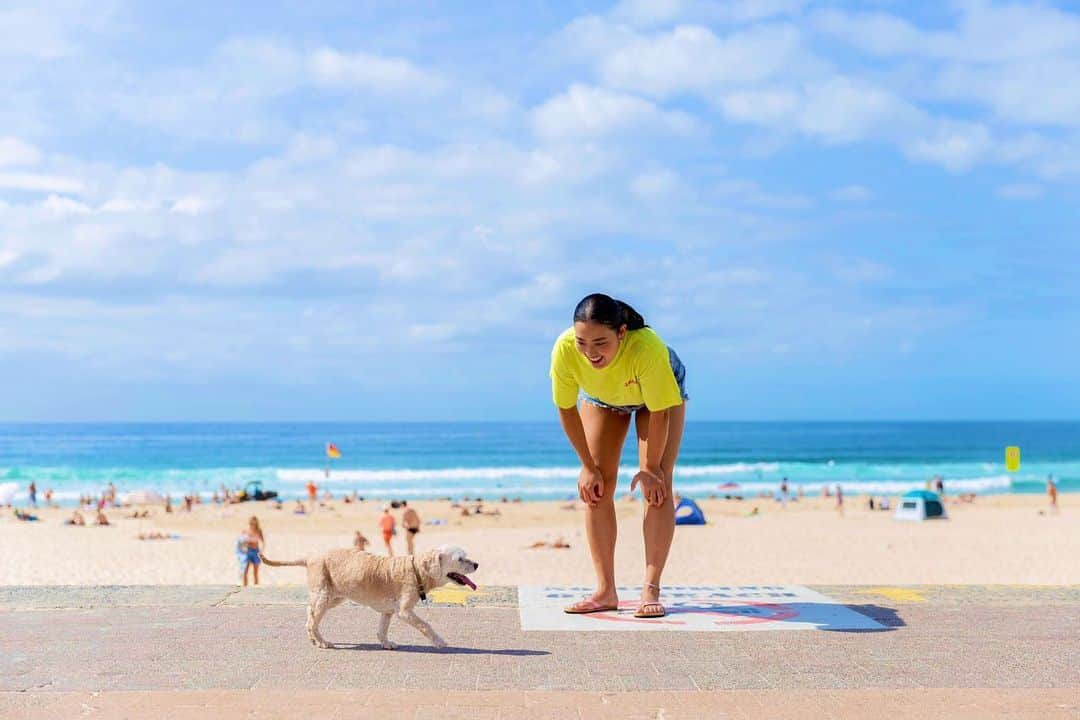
(598, 343)
(454, 566)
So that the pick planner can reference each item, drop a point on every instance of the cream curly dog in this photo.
(388, 585)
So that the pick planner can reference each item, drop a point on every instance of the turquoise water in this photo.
(528, 460)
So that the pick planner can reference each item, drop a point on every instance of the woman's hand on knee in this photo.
(652, 487)
(590, 486)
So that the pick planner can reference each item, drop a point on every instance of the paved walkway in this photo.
(212, 652)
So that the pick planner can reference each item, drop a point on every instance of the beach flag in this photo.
(332, 451)
(1012, 458)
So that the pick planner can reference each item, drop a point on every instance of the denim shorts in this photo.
(680, 377)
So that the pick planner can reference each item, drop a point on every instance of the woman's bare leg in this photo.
(658, 525)
(605, 432)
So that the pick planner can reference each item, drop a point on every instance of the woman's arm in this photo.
(590, 480)
(575, 433)
(655, 442)
(651, 475)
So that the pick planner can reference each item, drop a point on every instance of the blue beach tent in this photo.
(920, 505)
(687, 512)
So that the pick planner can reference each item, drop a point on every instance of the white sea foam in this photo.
(495, 473)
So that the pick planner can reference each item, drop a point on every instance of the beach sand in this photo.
(997, 539)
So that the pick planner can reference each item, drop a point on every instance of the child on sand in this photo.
(247, 548)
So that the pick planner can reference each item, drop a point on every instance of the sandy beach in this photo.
(997, 539)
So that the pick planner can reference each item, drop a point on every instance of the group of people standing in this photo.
(410, 521)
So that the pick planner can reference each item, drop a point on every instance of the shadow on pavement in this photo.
(438, 651)
(834, 617)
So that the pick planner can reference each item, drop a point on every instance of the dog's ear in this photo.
(434, 562)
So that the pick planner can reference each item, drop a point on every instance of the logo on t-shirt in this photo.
(631, 381)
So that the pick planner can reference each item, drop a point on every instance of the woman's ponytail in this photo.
(631, 317)
(606, 310)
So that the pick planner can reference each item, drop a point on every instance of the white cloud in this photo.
(843, 110)
(693, 59)
(1021, 191)
(648, 12)
(16, 152)
(985, 33)
(861, 271)
(750, 192)
(365, 71)
(1029, 92)
(40, 182)
(65, 206)
(836, 109)
(655, 184)
(851, 194)
(953, 145)
(584, 111)
(189, 205)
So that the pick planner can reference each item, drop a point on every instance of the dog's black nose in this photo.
(476, 566)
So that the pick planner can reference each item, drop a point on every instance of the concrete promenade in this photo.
(208, 652)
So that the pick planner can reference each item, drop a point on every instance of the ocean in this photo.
(532, 461)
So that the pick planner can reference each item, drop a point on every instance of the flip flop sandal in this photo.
(584, 607)
(641, 612)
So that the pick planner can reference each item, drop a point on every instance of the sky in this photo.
(388, 210)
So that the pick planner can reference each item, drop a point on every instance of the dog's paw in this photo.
(387, 645)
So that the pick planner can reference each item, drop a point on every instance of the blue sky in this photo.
(387, 211)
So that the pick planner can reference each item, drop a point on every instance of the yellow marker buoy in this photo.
(1012, 458)
(451, 595)
(895, 593)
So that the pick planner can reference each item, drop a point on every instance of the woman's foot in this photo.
(596, 603)
(649, 606)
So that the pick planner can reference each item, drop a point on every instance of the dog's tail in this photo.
(275, 563)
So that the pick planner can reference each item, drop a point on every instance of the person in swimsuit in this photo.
(386, 524)
(621, 370)
(411, 521)
(247, 549)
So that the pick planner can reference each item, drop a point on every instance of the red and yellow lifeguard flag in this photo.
(332, 451)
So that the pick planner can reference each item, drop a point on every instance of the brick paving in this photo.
(211, 652)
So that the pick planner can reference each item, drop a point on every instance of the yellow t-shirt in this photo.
(640, 373)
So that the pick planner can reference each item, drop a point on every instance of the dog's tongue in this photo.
(462, 579)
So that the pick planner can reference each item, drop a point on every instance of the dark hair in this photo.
(606, 310)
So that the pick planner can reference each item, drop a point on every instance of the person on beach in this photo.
(410, 520)
(32, 490)
(359, 541)
(386, 524)
(839, 500)
(247, 548)
(1051, 491)
(622, 370)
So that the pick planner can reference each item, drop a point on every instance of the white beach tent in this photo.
(920, 505)
(7, 492)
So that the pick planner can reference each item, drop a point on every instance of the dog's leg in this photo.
(318, 604)
(417, 622)
(384, 627)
